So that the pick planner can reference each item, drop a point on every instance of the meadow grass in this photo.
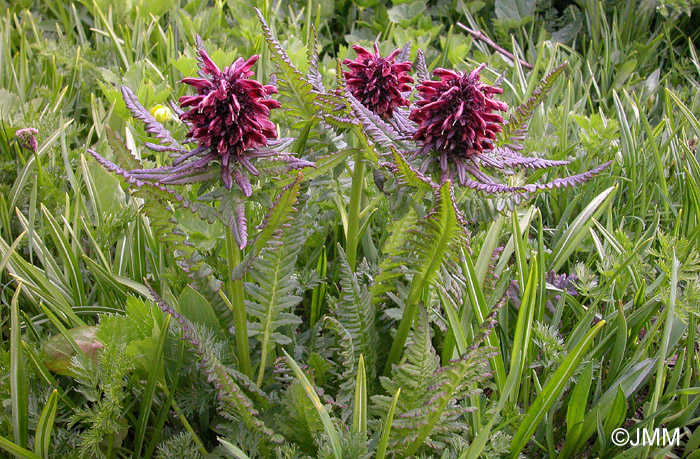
(91, 367)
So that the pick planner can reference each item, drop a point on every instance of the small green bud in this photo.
(161, 113)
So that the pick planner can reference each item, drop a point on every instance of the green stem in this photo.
(354, 209)
(235, 288)
(188, 427)
(409, 314)
(110, 446)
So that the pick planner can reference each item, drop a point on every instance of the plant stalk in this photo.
(188, 427)
(354, 209)
(235, 288)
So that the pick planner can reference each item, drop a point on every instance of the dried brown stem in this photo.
(478, 35)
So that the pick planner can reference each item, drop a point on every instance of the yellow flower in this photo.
(161, 113)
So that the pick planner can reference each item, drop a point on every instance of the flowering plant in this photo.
(427, 137)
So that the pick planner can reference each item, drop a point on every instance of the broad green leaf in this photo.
(197, 308)
(59, 350)
(514, 10)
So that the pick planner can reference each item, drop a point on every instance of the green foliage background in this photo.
(77, 248)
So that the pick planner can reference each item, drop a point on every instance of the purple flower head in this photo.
(378, 82)
(229, 115)
(27, 138)
(456, 118)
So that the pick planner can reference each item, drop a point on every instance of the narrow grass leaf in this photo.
(578, 229)
(328, 426)
(386, 429)
(480, 308)
(19, 390)
(17, 451)
(155, 374)
(454, 323)
(235, 451)
(8, 254)
(550, 392)
(44, 428)
(359, 413)
(70, 261)
(579, 399)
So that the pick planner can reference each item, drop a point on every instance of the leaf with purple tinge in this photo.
(152, 126)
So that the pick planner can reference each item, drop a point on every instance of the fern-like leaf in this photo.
(429, 405)
(392, 265)
(409, 176)
(280, 211)
(123, 155)
(453, 383)
(314, 76)
(298, 93)
(276, 217)
(436, 240)
(271, 292)
(405, 52)
(356, 313)
(156, 205)
(230, 395)
(346, 349)
(233, 211)
(422, 73)
(376, 129)
(567, 182)
(509, 158)
(515, 129)
(152, 126)
(323, 165)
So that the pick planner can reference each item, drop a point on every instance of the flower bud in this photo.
(161, 113)
(58, 352)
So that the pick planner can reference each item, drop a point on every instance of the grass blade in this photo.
(313, 396)
(235, 451)
(149, 392)
(386, 429)
(524, 325)
(573, 236)
(18, 376)
(42, 440)
(550, 392)
(70, 261)
(478, 302)
(661, 367)
(11, 250)
(15, 450)
(359, 412)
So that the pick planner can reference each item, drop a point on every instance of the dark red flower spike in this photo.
(378, 82)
